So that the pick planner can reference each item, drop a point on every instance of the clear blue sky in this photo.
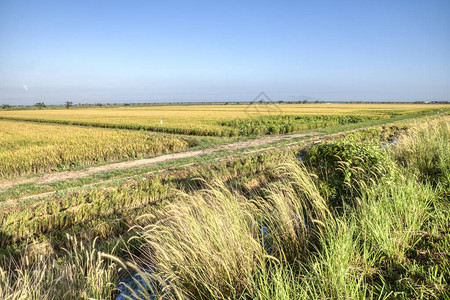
(148, 51)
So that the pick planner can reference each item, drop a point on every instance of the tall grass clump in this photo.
(216, 243)
(392, 215)
(278, 281)
(371, 250)
(425, 148)
(340, 267)
(206, 245)
(81, 274)
(293, 210)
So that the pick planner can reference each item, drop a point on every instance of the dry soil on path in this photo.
(68, 175)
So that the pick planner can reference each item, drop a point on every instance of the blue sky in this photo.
(156, 51)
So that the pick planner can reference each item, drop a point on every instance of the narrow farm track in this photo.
(68, 175)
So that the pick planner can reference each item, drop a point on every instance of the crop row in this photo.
(132, 126)
(32, 148)
(288, 123)
(107, 211)
(247, 126)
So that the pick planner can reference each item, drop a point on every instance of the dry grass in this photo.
(212, 243)
(425, 149)
(82, 274)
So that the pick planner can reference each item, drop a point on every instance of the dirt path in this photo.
(67, 175)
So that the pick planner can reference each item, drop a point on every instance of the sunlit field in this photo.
(364, 215)
(223, 120)
(349, 216)
(139, 162)
(34, 147)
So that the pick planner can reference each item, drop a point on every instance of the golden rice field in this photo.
(222, 120)
(32, 148)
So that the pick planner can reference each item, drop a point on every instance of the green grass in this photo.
(203, 143)
(363, 251)
(388, 237)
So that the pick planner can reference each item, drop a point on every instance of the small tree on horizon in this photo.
(69, 104)
(40, 105)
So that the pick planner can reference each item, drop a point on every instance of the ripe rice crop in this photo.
(218, 120)
(258, 227)
(32, 148)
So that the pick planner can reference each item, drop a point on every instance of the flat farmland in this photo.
(33, 147)
(218, 211)
(222, 120)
